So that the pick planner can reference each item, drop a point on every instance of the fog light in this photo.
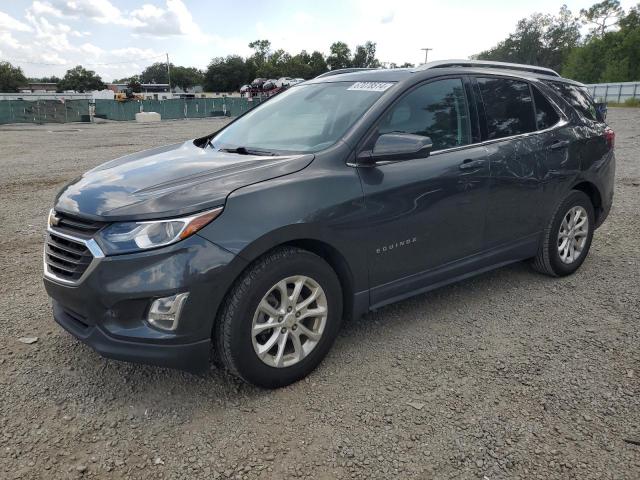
(165, 312)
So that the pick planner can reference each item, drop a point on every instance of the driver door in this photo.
(424, 214)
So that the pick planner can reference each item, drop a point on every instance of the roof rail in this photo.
(340, 71)
(489, 64)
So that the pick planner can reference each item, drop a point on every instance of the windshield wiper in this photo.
(247, 151)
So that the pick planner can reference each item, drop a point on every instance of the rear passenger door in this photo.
(516, 157)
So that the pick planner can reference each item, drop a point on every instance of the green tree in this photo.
(612, 57)
(602, 16)
(81, 80)
(227, 74)
(52, 79)
(186, 77)
(340, 56)
(257, 61)
(11, 78)
(134, 84)
(365, 56)
(540, 39)
(317, 64)
(156, 73)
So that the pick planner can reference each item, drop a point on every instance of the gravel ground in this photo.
(508, 375)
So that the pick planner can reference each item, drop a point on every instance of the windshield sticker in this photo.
(370, 86)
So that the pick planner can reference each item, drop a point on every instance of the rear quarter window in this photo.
(578, 99)
(546, 115)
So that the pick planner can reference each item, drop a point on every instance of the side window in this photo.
(508, 107)
(437, 110)
(578, 99)
(546, 116)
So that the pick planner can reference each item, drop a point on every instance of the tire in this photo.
(237, 344)
(549, 259)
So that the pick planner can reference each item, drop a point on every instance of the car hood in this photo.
(168, 181)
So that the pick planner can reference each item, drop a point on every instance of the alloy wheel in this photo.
(573, 234)
(289, 321)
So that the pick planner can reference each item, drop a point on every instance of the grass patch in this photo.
(628, 103)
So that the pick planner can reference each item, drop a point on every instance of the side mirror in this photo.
(396, 147)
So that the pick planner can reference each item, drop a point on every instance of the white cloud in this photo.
(102, 11)
(45, 8)
(175, 19)
(7, 22)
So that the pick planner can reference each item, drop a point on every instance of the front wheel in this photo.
(280, 318)
(567, 238)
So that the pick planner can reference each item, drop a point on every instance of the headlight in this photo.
(125, 237)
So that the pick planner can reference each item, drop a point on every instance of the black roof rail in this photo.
(488, 64)
(340, 71)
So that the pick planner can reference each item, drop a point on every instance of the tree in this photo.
(544, 40)
(365, 56)
(612, 57)
(186, 77)
(52, 79)
(156, 73)
(134, 84)
(317, 64)
(602, 16)
(261, 51)
(227, 74)
(80, 80)
(11, 78)
(340, 56)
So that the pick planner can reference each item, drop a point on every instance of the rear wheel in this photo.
(567, 238)
(280, 319)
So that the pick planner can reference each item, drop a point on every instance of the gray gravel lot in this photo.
(508, 375)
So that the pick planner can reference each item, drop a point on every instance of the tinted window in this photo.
(546, 116)
(305, 118)
(577, 98)
(437, 110)
(508, 107)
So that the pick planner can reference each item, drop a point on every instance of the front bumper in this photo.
(192, 357)
(108, 309)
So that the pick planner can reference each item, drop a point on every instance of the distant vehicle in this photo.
(343, 194)
(269, 85)
(245, 88)
(258, 82)
(295, 81)
(283, 82)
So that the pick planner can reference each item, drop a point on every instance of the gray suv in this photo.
(338, 196)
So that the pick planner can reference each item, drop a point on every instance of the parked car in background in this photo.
(338, 196)
(269, 84)
(283, 82)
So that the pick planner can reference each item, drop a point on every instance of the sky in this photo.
(119, 38)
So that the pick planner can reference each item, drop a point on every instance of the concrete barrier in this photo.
(147, 117)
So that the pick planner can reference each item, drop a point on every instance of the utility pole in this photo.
(426, 53)
(169, 72)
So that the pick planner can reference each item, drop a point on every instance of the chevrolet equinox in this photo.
(338, 196)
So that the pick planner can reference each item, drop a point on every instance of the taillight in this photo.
(610, 136)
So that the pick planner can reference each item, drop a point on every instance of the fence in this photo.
(47, 111)
(614, 92)
(44, 111)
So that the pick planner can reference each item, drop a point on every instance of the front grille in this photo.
(65, 258)
(74, 225)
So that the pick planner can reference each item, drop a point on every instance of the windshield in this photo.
(305, 118)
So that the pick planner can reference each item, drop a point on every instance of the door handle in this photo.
(557, 145)
(470, 164)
